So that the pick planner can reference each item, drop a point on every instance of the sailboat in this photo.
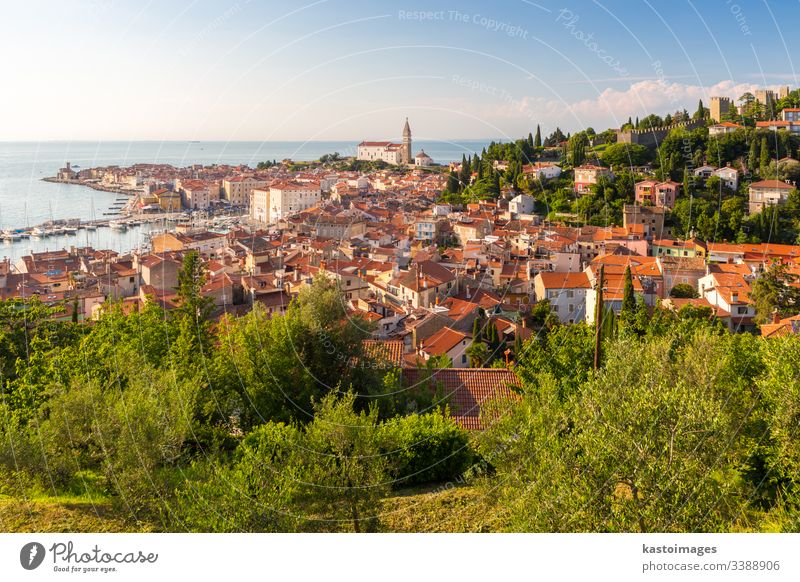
(92, 225)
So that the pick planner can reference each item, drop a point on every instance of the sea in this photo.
(26, 200)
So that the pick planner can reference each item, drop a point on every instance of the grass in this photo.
(434, 508)
(462, 509)
(62, 515)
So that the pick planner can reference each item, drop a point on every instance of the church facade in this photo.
(391, 153)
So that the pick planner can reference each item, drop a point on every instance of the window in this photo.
(463, 358)
(570, 293)
(741, 310)
(349, 282)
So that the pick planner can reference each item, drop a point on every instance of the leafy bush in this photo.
(425, 448)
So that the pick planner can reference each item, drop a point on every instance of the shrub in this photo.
(424, 448)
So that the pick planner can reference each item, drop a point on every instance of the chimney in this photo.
(776, 318)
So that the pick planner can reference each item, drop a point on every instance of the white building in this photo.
(423, 160)
(729, 292)
(729, 177)
(288, 197)
(566, 293)
(768, 193)
(197, 194)
(237, 190)
(391, 153)
(723, 128)
(259, 205)
(521, 204)
(542, 170)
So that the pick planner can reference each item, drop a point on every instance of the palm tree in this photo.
(478, 354)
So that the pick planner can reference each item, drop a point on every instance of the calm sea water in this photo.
(25, 200)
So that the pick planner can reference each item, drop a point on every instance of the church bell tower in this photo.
(407, 143)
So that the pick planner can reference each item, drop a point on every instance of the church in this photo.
(391, 153)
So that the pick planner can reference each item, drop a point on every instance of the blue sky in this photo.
(335, 69)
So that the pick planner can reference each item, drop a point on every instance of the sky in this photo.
(350, 69)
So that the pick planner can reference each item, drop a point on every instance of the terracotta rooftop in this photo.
(467, 389)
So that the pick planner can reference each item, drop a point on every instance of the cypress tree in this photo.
(464, 177)
(752, 158)
(477, 330)
(492, 336)
(628, 298)
(530, 139)
(496, 184)
(701, 111)
(452, 183)
(764, 165)
(537, 141)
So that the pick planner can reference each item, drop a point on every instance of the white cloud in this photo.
(611, 107)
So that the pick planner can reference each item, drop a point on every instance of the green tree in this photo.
(453, 185)
(701, 111)
(346, 473)
(765, 158)
(577, 148)
(651, 443)
(193, 343)
(683, 291)
(258, 491)
(753, 156)
(628, 297)
(625, 154)
(775, 292)
(465, 173)
(478, 354)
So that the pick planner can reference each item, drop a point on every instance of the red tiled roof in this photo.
(384, 351)
(564, 280)
(443, 341)
(772, 184)
(467, 389)
(772, 123)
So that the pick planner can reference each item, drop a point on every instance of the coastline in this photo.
(92, 185)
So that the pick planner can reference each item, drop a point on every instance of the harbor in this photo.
(121, 234)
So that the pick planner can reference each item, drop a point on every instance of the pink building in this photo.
(661, 194)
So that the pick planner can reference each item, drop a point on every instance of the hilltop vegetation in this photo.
(166, 421)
